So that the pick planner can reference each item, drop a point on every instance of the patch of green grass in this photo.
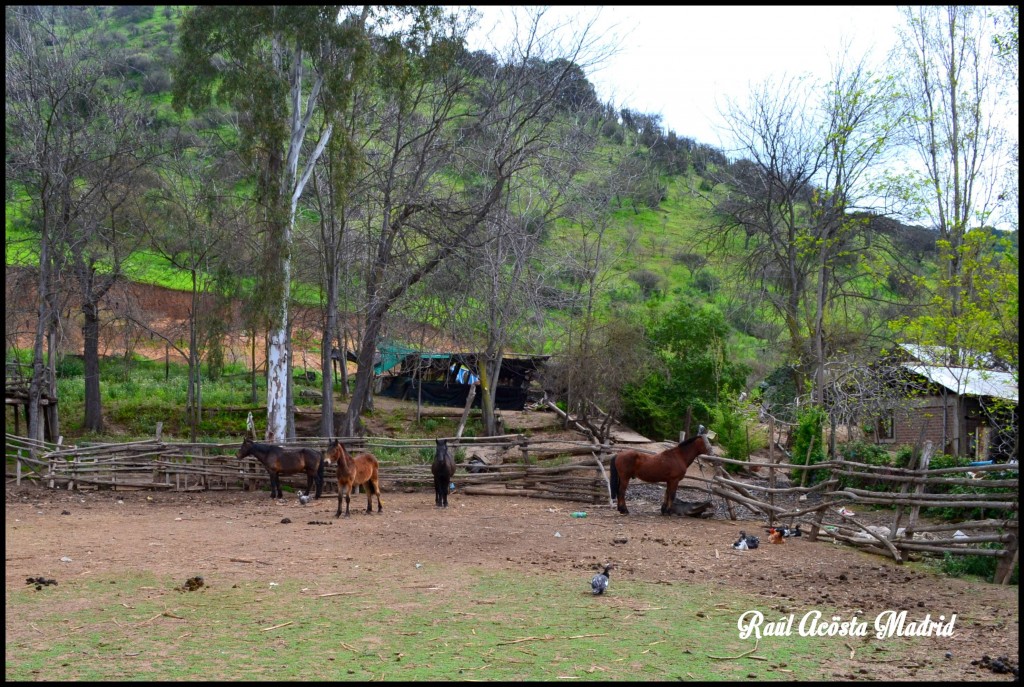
(434, 622)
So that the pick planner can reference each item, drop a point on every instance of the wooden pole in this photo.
(465, 413)
(926, 456)
(771, 471)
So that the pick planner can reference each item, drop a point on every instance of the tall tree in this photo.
(946, 71)
(798, 200)
(417, 218)
(285, 69)
(188, 225)
(76, 142)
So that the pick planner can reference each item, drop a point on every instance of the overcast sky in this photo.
(682, 62)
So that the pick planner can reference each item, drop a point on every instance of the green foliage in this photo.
(735, 423)
(869, 454)
(70, 366)
(778, 392)
(980, 566)
(692, 370)
(809, 437)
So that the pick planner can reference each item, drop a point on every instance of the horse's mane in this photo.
(687, 442)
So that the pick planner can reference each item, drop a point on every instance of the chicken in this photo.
(792, 532)
(600, 581)
(775, 537)
(303, 498)
(746, 541)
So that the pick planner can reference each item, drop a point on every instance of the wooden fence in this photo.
(824, 508)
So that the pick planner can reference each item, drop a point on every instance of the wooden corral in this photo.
(825, 508)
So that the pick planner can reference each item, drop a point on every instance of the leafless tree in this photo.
(946, 67)
(417, 220)
(76, 144)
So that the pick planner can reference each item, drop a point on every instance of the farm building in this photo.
(445, 378)
(964, 410)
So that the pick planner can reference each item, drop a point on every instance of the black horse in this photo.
(286, 461)
(443, 469)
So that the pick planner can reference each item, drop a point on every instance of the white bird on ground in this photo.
(303, 498)
(600, 581)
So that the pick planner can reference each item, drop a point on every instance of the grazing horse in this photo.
(443, 469)
(353, 472)
(286, 461)
(669, 467)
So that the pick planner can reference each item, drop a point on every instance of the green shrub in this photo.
(808, 436)
(981, 566)
(70, 366)
(868, 454)
(734, 423)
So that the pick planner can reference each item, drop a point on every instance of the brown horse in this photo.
(353, 472)
(286, 461)
(669, 467)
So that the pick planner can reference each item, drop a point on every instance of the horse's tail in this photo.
(320, 465)
(615, 479)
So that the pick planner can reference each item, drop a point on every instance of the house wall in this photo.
(966, 434)
(925, 420)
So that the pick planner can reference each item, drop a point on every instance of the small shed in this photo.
(443, 378)
(965, 410)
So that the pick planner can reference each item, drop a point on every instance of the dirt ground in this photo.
(240, 535)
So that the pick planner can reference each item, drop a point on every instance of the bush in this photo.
(869, 454)
(732, 423)
(648, 281)
(808, 437)
(70, 366)
(706, 282)
(982, 566)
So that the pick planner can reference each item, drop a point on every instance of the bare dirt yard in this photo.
(234, 536)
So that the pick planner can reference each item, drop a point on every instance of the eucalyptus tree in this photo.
(287, 70)
(448, 155)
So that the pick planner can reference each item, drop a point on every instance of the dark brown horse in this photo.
(286, 461)
(443, 468)
(353, 472)
(669, 467)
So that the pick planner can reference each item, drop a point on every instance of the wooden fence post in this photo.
(771, 471)
(926, 456)
(1004, 566)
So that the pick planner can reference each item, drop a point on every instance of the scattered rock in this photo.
(65, 512)
(285, 521)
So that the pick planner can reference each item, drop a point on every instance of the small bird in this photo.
(600, 581)
(792, 531)
(303, 498)
(775, 537)
(746, 541)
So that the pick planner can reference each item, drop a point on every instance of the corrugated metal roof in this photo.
(969, 382)
(943, 356)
